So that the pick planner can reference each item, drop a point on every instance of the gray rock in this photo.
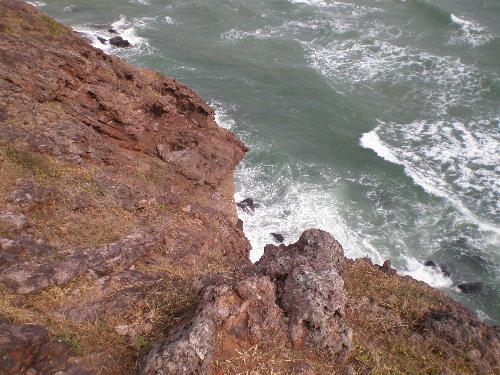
(28, 349)
(20, 248)
(31, 195)
(248, 205)
(12, 221)
(35, 275)
(471, 288)
(118, 41)
(430, 263)
(278, 237)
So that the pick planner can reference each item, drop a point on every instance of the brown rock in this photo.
(285, 297)
(387, 268)
(27, 349)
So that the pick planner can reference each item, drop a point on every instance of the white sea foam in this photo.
(289, 204)
(140, 2)
(169, 20)
(124, 28)
(425, 162)
(37, 4)
(430, 275)
(337, 18)
(310, 2)
(289, 207)
(437, 82)
(468, 32)
(222, 117)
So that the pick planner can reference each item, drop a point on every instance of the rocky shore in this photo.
(121, 251)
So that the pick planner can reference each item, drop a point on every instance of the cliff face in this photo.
(121, 251)
(116, 191)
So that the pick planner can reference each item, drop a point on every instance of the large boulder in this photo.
(293, 297)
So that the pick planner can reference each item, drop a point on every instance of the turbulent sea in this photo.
(378, 121)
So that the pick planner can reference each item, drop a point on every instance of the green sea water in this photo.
(378, 121)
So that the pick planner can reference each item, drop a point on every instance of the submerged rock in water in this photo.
(118, 41)
(430, 263)
(445, 270)
(102, 40)
(471, 288)
(278, 237)
(248, 205)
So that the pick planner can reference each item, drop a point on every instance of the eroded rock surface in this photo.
(35, 275)
(293, 297)
(28, 349)
(116, 193)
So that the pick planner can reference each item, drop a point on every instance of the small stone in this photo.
(387, 268)
(430, 263)
(6, 244)
(30, 195)
(12, 220)
(162, 151)
(349, 370)
(248, 205)
(445, 270)
(140, 205)
(31, 371)
(93, 274)
(187, 208)
(148, 328)
(474, 355)
(122, 330)
(129, 206)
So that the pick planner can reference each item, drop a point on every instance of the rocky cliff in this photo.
(121, 250)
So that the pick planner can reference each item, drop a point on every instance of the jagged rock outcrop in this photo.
(292, 298)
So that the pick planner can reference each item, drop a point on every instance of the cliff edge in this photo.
(121, 250)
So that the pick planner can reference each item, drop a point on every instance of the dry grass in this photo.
(386, 336)
(256, 360)
(162, 309)
(102, 221)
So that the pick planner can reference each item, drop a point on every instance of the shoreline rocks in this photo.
(248, 205)
(118, 41)
(278, 237)
(470, 287)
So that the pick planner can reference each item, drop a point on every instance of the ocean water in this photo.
(378, 121)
